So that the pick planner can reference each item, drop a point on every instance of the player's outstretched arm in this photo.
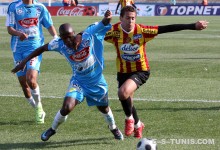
(199, 25)
(107, 17)
(35, 53)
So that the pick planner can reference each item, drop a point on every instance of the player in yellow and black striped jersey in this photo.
(130, 42)
(124, 3)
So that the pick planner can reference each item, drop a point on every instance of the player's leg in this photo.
(125, 92)
(128, 84)
(139, 78)
(109, 118)
(73, 97)
(61, 116)
(22, 79)
(100, 99)
(26, 90)
(33, 68)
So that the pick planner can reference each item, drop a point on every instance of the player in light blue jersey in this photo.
(24, 22)
(84, 52)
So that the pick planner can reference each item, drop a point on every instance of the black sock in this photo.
(126, 104)
(136, 119)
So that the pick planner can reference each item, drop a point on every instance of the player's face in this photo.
(68, 39)
(128, 21)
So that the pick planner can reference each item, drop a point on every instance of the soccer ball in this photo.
(146, 144)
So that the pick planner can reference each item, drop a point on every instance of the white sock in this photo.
(59, 119)
(137, 125)
(109, 118)
(31, 101)
(36, 95)
(130, 117)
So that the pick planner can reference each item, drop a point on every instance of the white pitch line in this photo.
(139, 99)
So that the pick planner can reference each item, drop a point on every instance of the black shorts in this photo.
(139, 77)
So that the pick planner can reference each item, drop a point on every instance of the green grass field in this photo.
(179, 103)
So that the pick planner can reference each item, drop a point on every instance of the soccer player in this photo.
(124, 3)
(129, 40)
(84, 52)
(24, 22)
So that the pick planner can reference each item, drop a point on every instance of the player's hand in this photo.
(200, 25)
(20, 66)
(108, 14)
(22, 36)
(116, 12)
(108, 17)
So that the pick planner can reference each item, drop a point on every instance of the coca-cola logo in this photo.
(28, 22)
(81, 55)
(76, 11)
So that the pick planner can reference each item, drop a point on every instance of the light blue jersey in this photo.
(28, 19)
(86, 62)
(87, 65)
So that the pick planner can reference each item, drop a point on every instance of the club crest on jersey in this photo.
(28, 22)
(19, 11)
(81, 55)
(129, 48)
(131, 57)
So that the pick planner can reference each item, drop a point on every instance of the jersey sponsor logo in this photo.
(85, 65)
(113, 34)
(149, 31)
(129, 48)
(131, 57)
(137, 36)
(28, 22)
(81, 55)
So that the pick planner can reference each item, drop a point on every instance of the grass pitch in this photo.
(179, 104)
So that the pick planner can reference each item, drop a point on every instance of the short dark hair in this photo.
(127, 9)
(65, 28)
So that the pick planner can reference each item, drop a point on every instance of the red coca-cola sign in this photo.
(73, 11)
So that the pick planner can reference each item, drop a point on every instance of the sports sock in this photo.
(130, 117)
(31, 101)
(126, 104)
(109, 118)
(36, 95)
(59, 119)
(134, 112)
(137, 125)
